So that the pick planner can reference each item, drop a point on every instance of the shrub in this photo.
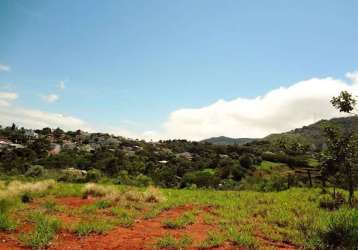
(246, 160)
(153, 195)
(73, 175)
(93, 175)
(342, 230)
(95, 190)
(26, 197)
(35, 171)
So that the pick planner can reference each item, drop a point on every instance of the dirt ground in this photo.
(140, 236)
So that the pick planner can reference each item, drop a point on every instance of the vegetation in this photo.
(283, 189)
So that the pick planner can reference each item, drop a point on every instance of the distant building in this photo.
(185, 155)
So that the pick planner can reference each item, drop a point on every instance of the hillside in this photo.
(314, 134)
(223, 140)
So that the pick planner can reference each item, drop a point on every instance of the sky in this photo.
(158, 69)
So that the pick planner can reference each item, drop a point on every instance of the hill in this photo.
(313, 133)
(223, 140)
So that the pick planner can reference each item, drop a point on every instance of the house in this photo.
(31, 134)
(185, 155)
(7, 144)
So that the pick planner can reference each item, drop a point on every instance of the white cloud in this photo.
(279, 110)
(7, 97)
(61, 85)
(4, 67)
(353, 76)
(50, 98)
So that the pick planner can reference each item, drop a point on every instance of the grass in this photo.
(124, 217)
(44, 231)
(213, 239)
(184, 220)
(293, 216)
(96, 226)
(169, 242)
(6, 224)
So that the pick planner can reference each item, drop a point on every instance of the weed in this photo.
(213, 239)
(45, 229)
(96, 226)
(125, 217)
(186, 219)
(169, 242)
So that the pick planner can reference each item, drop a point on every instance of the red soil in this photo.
(74, 202)
(141, 236)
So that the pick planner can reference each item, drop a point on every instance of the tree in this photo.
(342, 147)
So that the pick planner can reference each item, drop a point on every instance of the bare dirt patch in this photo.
(74, 202)
(141, 236)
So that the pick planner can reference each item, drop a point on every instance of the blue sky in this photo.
(130, 64)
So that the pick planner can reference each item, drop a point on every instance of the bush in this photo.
(35, 171)
(342, 230)
(246, 160)
(153, 195)
(93, 175)
(203, 178)
(73, 175)
(26, 197)
(95, 190)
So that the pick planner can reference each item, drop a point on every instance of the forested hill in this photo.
(313, 133)
(223, 140)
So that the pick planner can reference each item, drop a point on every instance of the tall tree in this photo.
(342, 146)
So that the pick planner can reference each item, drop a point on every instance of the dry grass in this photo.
(95, 190)
(17, 187)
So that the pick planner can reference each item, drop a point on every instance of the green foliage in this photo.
(45, 230)
(246, 161)
(169, 242)
(203, 178)
(86, 227)
(342, 231)
(213, 239)
(184, 220)
(35, 171)
(5, 222)
(93, 175)
(125, 217)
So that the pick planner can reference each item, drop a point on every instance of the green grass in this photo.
(44, 231)
(213, 239)
(184, 220)
(169, 242)
(96, 226)
(124, 217)
(292, 216)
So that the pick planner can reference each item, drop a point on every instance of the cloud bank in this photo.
(279, 110)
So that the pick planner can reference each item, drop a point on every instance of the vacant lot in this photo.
(52, 215)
